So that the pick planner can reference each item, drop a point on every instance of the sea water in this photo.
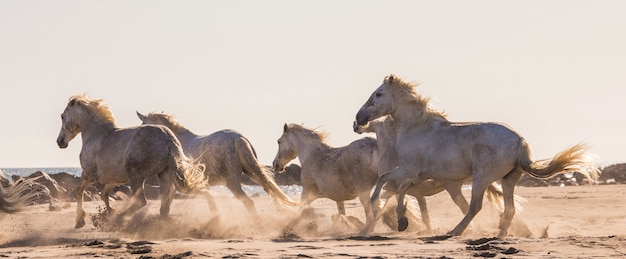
(291, 190)
(49, 170)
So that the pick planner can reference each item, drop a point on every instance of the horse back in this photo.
(217, 151)
(459, 148)
(361, 157)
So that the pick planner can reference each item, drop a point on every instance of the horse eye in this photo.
(379, 94)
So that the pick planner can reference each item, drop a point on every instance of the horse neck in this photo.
(92, 128)
(385, 137)
(305, 146)
(411, 115)
(184, 135)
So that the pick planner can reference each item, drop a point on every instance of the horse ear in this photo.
(391, 78)
(72, 101)
(141, 116)
(285, 128)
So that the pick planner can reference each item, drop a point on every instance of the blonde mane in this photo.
(313, 133)
(95, 106)
(167, 120)
(407, 93)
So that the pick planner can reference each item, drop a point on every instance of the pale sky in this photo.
(555, 71)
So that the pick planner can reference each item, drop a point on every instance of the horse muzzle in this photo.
(61, 142)
(277, 167)
(357, 128)
(362, 118)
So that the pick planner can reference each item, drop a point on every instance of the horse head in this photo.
(380, 102)
(155, 118)
(69, 123)
(286, 151)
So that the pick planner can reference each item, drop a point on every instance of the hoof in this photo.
(80, 224)
(453, 234)
(403, 223)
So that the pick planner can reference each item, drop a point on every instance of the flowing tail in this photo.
(496, 198)
(188, 173)
(18, 195)
(258, 174)
(574, 159)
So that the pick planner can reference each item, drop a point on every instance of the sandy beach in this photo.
(565, 222)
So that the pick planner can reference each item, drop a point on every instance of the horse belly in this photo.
(439, 163)
(107, 169)
(337, 189)
(113, 176)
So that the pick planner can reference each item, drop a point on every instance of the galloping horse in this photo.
(430, 146)
(339, 174)
(226, 154)
(113, 155)
(386, 136)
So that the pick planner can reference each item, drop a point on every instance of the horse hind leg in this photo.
(421, 201)
(167, 192)
(508, 189)
(239, 194)
(138, 199)
(210, 200)
(476, 203)
(104, 195)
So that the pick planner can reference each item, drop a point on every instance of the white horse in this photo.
(430, 146)
(112, 155)
(336, 173)
(386, 136)
(228, 156)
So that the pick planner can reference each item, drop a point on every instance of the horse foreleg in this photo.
(385, 196)
(403, 221)
(306, 198)
(370, 219)
(341, 208)
(379, 186)
(80, 213)
(395, 174)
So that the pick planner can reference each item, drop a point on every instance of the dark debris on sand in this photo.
(487, 248)
(435, 238)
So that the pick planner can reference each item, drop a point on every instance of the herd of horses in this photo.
(417, 151)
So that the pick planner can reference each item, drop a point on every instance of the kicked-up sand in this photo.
(564, 222)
